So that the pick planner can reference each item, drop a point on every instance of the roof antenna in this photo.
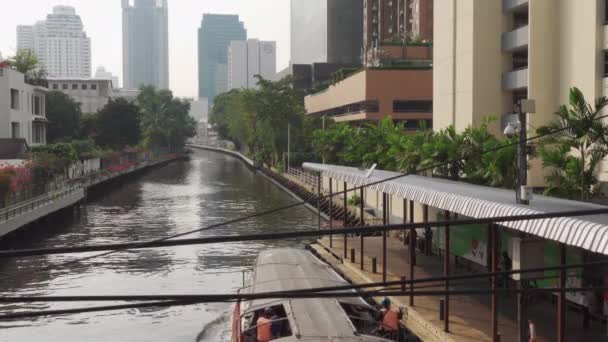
(371, 170)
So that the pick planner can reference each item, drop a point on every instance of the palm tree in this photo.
(580, 130)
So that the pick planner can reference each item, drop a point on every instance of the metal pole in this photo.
(331, 218)
(522, 157)
(362, 205)
(413, 237)
(404, 220)
(494, 281)
(319, 181)
(446, 268)
(384, 219)
(344, 222)
(288, 145)
(561, 304)
(427, 234)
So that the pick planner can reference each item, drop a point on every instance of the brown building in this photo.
(394, 21)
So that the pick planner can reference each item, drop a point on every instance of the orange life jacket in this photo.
(390, 320)
(264, 325)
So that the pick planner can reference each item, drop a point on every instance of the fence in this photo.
(9, 213)
(304, 177)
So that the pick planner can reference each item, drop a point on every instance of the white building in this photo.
(91, 94)
(199, 109)
(22, 108)
(60, 43)
(248, 59)
(103, 74)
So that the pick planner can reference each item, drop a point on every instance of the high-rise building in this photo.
(396, 21)
(326, 31)
(246, 59)
(60, 43)
(491, 54)
(214, 37)
(145, 43)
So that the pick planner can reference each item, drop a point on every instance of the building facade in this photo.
(214, 37)
(102, 74)
(91, 94)
(22, 109)
(246, 59)
(326, 31)
(59, 42)
(491, 54)
(145, 39)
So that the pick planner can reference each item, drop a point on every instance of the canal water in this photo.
(208, 189)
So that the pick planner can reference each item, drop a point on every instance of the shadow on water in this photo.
(210, 188)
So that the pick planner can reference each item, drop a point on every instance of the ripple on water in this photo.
(209, 189)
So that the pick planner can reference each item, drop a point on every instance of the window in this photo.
(84, 87)
(93, 86)
(39, 133)
(15, 99)
(37, 109)
(74, 86)
(64, 86)
(15, 130)
(412, 106)
(279, 324)
(55, 86)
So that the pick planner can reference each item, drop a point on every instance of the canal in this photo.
(208, 189)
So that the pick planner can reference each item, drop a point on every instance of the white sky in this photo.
(264, 19)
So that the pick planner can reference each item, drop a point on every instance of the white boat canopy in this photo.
(475, 201)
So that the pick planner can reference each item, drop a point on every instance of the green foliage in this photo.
(354, 200)
(26, 62)
(64, 117)
(117, 124)
(577, 145)
(392, 148)
(257, 120)
(165, 120)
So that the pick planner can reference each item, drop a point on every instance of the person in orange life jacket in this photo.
(264, 325)
(390, 318)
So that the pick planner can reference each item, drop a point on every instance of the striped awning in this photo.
(475, 201)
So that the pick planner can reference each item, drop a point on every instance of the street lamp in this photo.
(522, 109)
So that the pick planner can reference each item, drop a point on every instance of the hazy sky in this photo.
(264, 19)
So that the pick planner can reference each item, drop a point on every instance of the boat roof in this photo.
(315, 319)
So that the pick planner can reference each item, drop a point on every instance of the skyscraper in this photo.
(246, 59)
(214, 37)
(145, 43)
(59, 42)
(326, 31)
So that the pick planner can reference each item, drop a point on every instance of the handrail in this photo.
(11, 212)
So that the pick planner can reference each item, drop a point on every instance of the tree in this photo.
(117, 124)
(575, 144)
(164, 120)
(27, 63)
(64, 117)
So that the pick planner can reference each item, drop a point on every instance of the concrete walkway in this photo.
(470, 316)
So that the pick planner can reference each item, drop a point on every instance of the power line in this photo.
(112, 248)
(271, 211)
(201, 299)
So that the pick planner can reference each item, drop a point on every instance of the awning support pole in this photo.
(427, 234)
(331, 218)
(413, 237)
(493, 255)
(404, 220)
(345, 217)
(362, 204)
(561, 304)
(446, 265)
(384, 223)
(319, 180)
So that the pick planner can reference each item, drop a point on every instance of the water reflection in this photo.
(209, 189)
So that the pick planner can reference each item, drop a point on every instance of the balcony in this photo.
(515, 40)
(606, 37)
(605, 86)
(513, 5)
(516, 79)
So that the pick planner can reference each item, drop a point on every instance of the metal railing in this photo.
(29, 206)
(305, 177)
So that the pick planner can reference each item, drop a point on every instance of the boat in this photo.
(310, 319)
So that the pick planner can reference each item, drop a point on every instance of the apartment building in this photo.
(490, 54)
(22, 108)
(91, 93)
(246, 59)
